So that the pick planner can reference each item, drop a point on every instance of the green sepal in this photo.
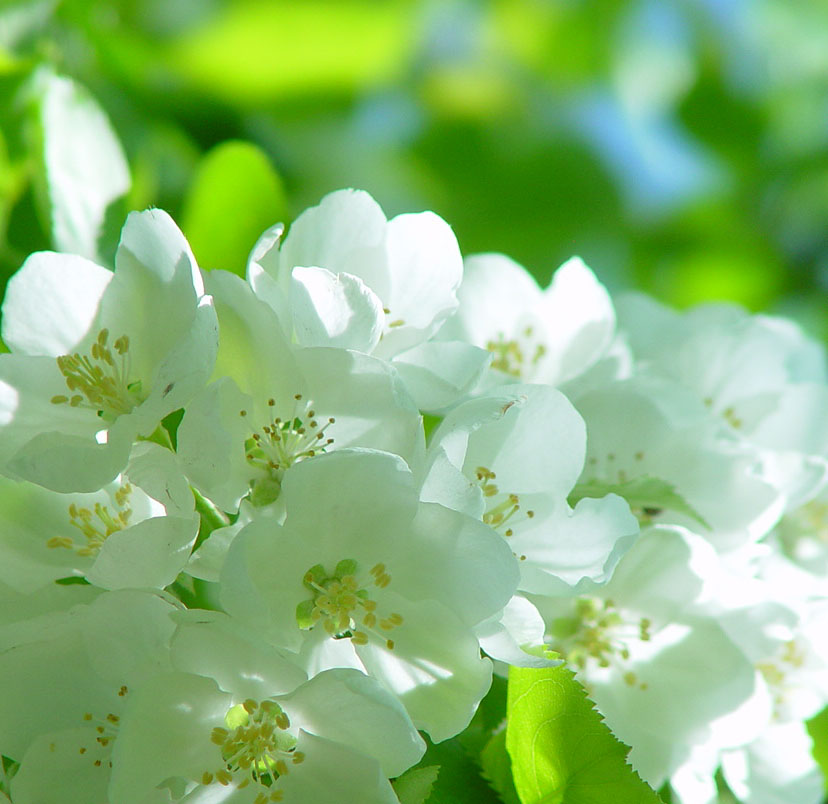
(303, 614)
(345, 567)
(646, 495)
(318, 576)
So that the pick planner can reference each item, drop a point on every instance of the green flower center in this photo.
(100, 380)
(343, 606)
(277, 445)
(256, 748)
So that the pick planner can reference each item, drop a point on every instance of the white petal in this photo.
(344, 233)
(147, 555)
(165, 732)
(51, 303)
(332, 771)
(54, 771)
(438, 373)
(213, 644)
(494, 296)
(579, 317)
(519, 625)
(435, 667)
(425, 269)
(334, 310)
(349, 707)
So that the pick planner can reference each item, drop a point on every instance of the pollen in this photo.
(100, 380)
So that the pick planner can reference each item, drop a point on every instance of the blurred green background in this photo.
(679, 146)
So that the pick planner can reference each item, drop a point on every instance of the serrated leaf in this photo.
(646, 496)
(497, 768)
(235, 196)
(84, 165)
(562, 752)
(459, 781)
(414, 786)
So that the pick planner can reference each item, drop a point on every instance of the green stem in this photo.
(211, 516)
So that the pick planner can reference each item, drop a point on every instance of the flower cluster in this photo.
(259, 534)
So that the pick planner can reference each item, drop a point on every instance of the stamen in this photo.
(280, 443)
(343, 606)
(255, 749)
(599, 634)
(102, 381)
(96, 525)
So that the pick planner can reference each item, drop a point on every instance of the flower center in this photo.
(514, 357)
(96, 525)
(280, 443)
(256, 748)
(101, 379)
(343, 606)
(777, 671)
(598, 634)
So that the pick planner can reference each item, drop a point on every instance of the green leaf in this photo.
(646, 495)
(85, 169)
(235, 196)
(460, 781)
(562, 751)
(818, 729)
(414, 786)
(497, 768)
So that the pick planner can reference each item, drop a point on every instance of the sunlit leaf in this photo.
(235, 196)
(818, 729)
(562, 751)
(265, 49)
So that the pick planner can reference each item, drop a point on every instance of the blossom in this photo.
(363, 575)
(346, 276)
(99, 358)
(540, 336)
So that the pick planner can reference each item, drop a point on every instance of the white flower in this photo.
(659, 672)
(116, 537)
(99, 358)
(347, 277)
(66, 677)
(760, 376)
(549, 336)
(516, 453)
(705, 477)
(337, 737)
(276, 404)
(363, 575)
